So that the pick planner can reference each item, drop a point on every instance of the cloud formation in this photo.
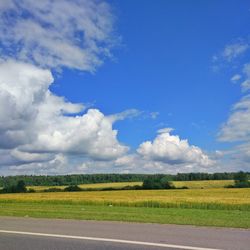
(245, 85)
(34, 121)
(235, 78)
(233, 50)
(237, 127)
(171, 149)
(43, 133)
(53, 34)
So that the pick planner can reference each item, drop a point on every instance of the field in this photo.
(94, 186)
(178, 184)
(201, 205)
(204, 184)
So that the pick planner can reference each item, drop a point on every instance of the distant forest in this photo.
(58, 180)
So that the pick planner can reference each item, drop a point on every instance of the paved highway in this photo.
(51, 234)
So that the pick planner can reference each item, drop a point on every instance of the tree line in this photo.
(241, 180)
(76, 179)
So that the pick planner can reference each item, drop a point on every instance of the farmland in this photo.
(92, 186)
(190, 184)
(201, 204)
(187, 198)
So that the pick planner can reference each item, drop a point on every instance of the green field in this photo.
(202, 204)
(199, 217)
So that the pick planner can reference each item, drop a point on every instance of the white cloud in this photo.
(154, 115)
(235, 78)
(237, 127)
(58, 164)
(232, 51)
(35, 123)
(130, 113)
(171, 149)
(165, 130)
(245, 85)
(54, 34)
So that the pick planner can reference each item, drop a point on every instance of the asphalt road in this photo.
(51, 234)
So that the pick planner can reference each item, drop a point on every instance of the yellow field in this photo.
(96, 185)
(178, 184)
(203, 184)
(200, 198)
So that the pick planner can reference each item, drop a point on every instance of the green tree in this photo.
(241, 180)
(157, 182)
(21, 187)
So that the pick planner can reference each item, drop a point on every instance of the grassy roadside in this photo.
(199, 217)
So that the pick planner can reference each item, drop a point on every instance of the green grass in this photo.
(199, 217)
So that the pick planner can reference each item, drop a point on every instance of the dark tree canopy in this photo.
(67, 180)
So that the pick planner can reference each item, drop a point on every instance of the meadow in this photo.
(201, 204)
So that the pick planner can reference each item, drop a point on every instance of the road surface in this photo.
(54, 234)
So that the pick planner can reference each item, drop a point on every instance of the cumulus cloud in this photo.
(53, 34)
(171, 149)
(237, 127)
(34, 121)
(40, 131)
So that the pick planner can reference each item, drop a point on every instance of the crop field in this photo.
(190, 184)
(200, 205)
(183, 198)
(94, 186)
(203, 184)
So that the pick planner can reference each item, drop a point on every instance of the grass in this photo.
(199, 217)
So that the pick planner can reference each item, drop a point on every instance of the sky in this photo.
(93, 86)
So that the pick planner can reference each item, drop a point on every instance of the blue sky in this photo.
(164, 65)
(170, 63)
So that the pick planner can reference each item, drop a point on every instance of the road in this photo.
(54, 234)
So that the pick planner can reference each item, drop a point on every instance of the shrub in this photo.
(73, 188)
(241, 180)
(242, 184)
(156, 182)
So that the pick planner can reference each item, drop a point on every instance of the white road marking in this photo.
(108, 240)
